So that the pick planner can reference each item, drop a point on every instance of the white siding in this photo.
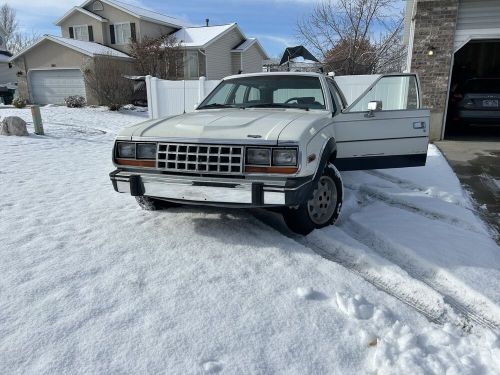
(219, 62)
(236, 62)
(252, 60)
(477, 19)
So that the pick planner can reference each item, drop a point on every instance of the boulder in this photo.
(13, 125)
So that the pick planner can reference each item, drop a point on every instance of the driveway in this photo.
(476, 163)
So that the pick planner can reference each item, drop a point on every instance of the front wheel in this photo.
(322, 209)
(153, 204)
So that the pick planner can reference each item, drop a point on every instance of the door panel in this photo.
(392, 138)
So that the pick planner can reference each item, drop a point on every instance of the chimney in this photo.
(207, 22)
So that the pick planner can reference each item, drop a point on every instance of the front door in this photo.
(393, 135)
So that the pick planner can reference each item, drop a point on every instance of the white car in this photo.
(273, 140)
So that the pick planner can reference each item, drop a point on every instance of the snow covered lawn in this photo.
(407, 283)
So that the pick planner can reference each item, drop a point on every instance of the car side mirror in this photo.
(374, 106)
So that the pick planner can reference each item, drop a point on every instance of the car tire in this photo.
(322, 209)
(153, 204)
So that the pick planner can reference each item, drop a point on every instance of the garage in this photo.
(474, 93)
(54, 85)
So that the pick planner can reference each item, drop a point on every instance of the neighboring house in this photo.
(7, 72)
(450, 41)
(51, 69)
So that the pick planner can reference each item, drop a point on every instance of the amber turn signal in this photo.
(279, 170)
(137, 163)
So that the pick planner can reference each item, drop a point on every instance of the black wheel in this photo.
(323, 207)
(153, 204)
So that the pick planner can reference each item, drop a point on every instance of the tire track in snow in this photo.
(377, 272)
(444, 283)
(415, 187)
(405, 205)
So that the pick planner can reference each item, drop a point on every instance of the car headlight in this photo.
(125, 150)
(258, 156)
(285, 156)
(146, 151)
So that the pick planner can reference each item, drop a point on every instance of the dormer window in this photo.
(97, 6)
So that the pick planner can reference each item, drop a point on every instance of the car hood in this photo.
(232, 124)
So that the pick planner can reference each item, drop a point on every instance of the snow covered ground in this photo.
(407, 283)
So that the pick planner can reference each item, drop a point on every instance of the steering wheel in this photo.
(292, 99)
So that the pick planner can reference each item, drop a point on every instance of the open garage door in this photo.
(474, 100)
(53, 86)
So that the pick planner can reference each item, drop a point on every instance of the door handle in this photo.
(419, 125)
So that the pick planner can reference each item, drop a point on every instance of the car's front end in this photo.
(210, 173)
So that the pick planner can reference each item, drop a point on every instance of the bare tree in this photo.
(8, 20)
(105, 76)
(360, 36)
(15, 39)
(160, 57)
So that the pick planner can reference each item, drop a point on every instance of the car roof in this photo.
(263, 74)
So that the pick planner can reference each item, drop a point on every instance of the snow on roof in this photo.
(202, 35)
(245, 45)
(142, 13)
(88, 48)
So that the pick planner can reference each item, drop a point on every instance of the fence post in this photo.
(37, 120)
(150, 97)
(201, 89)
(154, 97)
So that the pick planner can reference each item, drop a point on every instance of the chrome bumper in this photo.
(206, 190)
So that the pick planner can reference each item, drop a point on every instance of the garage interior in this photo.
(476, 59)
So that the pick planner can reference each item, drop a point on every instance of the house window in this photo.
(191, 68)
(122, 33)
(81, 32)
(97, 6)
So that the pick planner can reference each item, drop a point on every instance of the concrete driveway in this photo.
(476, 161)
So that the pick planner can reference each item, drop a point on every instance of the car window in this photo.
(395, 93)
(336, 100)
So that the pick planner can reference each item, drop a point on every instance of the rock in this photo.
(13, 125)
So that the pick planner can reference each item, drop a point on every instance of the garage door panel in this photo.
(53, 86)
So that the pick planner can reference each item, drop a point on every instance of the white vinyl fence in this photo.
(170, 98)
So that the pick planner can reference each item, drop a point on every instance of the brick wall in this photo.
(435, 22)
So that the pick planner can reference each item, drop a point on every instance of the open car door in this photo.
(385, 127)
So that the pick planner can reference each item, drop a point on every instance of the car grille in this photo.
(197, 158)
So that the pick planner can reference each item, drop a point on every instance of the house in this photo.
(7, 73)
(51, 69)
(448, 42)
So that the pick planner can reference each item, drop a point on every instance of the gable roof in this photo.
(81, 10)
(141, 13)
(90, 49)
(203, 36)
(249, 43)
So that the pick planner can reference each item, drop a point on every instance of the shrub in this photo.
(75, 101)
(19, 102)
(115, 107)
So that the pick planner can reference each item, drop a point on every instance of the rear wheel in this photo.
(153, 204)
(323, 207)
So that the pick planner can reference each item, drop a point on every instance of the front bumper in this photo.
(213, 191)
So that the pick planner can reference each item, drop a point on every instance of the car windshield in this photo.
(484, 86)
(268, 91)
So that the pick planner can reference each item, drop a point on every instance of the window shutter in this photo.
(112, 33)
(133, 32)
(71, 33)
(91, 34)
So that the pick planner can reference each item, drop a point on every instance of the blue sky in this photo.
(272, 21)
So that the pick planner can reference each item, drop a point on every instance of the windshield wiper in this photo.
(275, 105)
(216, 105)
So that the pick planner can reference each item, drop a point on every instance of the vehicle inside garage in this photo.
(474, 99)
